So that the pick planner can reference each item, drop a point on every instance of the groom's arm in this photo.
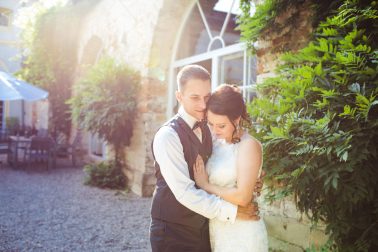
(169, 155)
(248, 163)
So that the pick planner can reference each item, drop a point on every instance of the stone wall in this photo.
(288, 229)
(141, 34)
(124, 30)
(283, 37)
(155, 91)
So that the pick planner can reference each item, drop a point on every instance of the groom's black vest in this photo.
(164, 204)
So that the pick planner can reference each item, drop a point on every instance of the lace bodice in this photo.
(221, 165)
(242, 235)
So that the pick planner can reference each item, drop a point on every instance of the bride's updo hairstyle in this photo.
(227, 100)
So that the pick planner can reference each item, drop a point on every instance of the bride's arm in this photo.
(248, 164)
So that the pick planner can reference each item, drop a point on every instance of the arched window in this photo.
(210, 38)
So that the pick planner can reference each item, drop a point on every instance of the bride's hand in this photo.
(200, 175)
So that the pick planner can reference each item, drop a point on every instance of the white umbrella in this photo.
(14, 89)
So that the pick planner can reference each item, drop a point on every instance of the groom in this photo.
(180, 211)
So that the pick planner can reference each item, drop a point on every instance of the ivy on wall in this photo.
(318, 121)
(269, 17)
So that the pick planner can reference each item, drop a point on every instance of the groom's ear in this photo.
(178, 96)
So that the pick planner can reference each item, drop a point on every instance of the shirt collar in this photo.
(190, 120)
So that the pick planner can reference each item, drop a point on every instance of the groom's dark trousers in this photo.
(172, 237)
(175, 228)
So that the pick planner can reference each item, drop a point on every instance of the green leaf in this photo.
(318, 69)
(277, 132)
(334, 182)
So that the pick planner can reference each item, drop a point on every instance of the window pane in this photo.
(231, 69)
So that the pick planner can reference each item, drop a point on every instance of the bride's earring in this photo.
(236, 135)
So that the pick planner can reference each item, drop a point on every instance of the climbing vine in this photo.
(318, 121)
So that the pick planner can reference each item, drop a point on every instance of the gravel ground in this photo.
(53, 211)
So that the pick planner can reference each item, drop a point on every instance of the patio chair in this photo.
(41, 150)
(69, 149)
(4, 145)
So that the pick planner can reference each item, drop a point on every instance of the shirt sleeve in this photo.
(169, 154)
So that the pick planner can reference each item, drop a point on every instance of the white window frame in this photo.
(213, 55)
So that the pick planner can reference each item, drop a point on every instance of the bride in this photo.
(232, 171)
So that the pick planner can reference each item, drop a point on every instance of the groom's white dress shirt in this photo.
(169, 154)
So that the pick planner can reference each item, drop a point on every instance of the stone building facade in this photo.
(147, 35)
(157, 37)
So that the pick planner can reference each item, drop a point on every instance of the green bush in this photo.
(105, 103)
(318, 121)
(105, 175)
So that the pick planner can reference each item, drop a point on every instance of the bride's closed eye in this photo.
(220, 126)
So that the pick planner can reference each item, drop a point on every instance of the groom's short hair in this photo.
(191, 72)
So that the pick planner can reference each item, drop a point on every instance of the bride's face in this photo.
(221, 126)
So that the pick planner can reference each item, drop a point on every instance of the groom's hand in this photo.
(249, 212)
(259, 183)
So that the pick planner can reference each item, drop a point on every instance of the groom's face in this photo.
(194, 96)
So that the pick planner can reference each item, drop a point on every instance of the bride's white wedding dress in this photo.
(242, 235)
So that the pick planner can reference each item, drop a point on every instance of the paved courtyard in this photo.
(53, 211)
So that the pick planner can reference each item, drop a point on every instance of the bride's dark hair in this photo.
(227, 100)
